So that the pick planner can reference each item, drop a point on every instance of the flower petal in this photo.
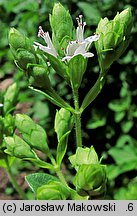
(88, 55)
(81, 49)
(46, 49)
(92, 38)
(71, 48)
(49, 43)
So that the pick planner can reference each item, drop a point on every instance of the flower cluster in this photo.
(75, 47)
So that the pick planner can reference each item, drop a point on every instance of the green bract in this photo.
(114, 38)
(59, 66)
(53, 191)
(18, 147)
(32, 133)
(38, 76)
(18, 41)
(24, 57)
(62, 26)
(22, 48)
(63, 122)
(63, 126)
(90, 179)
(77, 67)
(84, 156)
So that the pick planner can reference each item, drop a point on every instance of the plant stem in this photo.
(58, 170)
(14, 182)
(61, 177)
(77, 116)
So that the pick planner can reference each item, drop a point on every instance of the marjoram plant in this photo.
(67, 53)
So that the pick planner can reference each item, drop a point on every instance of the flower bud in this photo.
(38, 77)
(18, 147)
(54, 190)
(23, 58)
(63, 126)
(90, 178)
(125, 18)
(22, 48)
(63, 122)
(32, 133)
(114, 38)
(61, 24)
(18, 41)
(84, 156)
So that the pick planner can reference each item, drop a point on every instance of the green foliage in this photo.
(37, 180)
(97, 119)
(91, 12)
(10, 98)
(127, 193)
(125, 157)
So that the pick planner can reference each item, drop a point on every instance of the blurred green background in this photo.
(110, 123)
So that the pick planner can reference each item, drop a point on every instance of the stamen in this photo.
(77, 18)
(80, 21)
(41, 33)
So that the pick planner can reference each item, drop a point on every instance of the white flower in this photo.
(80, 45)
(49, 48)
(1, 105)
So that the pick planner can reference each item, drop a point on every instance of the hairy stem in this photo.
(61, 177)
(77, 116)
